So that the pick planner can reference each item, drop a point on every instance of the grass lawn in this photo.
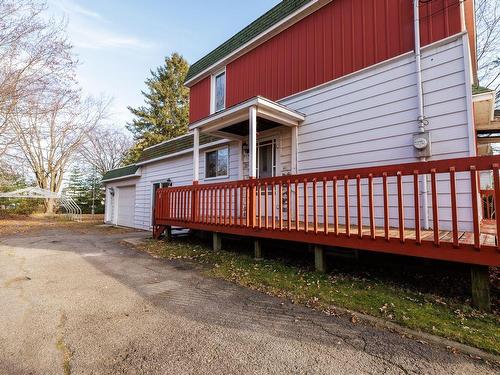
(426, 312)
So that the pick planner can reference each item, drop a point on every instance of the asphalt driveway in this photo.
(81, 302)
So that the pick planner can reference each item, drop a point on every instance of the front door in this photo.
(266, 158)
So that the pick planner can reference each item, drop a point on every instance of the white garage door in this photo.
(126, 206)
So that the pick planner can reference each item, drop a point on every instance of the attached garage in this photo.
(120, 195)
(125, 204)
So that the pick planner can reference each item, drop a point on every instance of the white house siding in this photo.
(179, 170)
(369, 118)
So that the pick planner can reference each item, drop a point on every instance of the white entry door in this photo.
(126, 206)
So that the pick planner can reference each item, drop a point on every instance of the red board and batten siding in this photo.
(199, 100)
(342, 37)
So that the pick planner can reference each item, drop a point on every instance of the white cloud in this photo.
(103, 39)
(88, 29)
(71, 7)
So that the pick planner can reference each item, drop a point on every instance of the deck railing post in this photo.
(194, 201)
(251, 206)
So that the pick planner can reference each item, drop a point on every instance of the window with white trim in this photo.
(219, 91)
(217, 163)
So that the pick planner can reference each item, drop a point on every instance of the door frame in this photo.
(276, 139)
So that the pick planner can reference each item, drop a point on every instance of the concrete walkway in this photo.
(82, 302)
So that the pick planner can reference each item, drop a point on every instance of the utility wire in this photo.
(424, 2)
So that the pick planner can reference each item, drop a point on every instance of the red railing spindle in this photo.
(496, 182)
(475, 209)
(297, 227)
(372, 206)
(435, 210)
(273, 205)
(241, 205)
(266, 221)
(454, 211)
(315, 205)
(335, 206)
(347, 208)
(231, 205)
(416, 203)
(306, 208)
(288, 205)
(281, 204)
(325, 205)
(259, 208)
(401, 210)
(359, 204)
(386, 206)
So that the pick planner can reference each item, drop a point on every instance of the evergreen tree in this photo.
(85, 188)
(165, 114)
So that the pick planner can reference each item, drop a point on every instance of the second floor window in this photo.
(220, 92)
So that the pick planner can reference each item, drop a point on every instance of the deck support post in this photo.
(257, 249)
(319, 258)
(168, 233)
(217, 241)
(480, 282)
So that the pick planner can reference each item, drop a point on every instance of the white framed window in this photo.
(218, 95)
(217, 163)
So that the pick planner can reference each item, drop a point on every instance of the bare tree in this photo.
(35, 57)
(50, 131)
(488, 43)
(105, 149)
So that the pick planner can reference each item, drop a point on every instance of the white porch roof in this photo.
(266, 109)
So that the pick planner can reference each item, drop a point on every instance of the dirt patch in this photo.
(13, 225)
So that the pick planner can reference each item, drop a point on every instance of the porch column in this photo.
(295, 133)
(196, 155)
(252, 142)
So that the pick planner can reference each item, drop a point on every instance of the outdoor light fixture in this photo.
(245, 148)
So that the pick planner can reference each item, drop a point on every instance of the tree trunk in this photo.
(50, 206)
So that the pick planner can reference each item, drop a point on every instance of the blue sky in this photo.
(118, 42)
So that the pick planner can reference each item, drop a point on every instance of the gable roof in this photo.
(260, 25)
(174, 146)
(127, 171)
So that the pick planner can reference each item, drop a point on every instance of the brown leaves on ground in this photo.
(12, 225)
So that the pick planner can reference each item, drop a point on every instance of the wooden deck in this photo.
(342, 208)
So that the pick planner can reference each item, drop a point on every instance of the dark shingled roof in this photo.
(261, 24)
(174, 146)
(129, 170)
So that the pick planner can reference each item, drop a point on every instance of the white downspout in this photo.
(421, 119)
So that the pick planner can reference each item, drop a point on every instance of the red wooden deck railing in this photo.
(375, 209)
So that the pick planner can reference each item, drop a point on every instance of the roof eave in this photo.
(265, 108)
(136, 174)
